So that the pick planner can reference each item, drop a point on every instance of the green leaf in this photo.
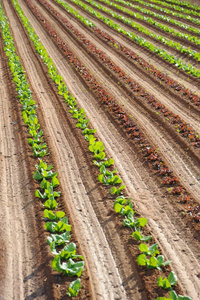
(56, 263)
(60, 214)
(51, 204)
(172, 278)
(38, 194)
(45, 184)
(118, 207)
(137, 235)
(101, 178)
(37, 175)
(142, 222)
(153, 262)
(143, 248)
(55, 181)
(163, 283)
(141, 260)
(113, 190)
(59, 239)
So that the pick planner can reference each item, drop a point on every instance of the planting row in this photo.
(141, 41)
(151, 21)
(185, 4)
(150, 256)
(150, 154)
(174, 85)
(180, 125)
(176, 7)
(159, 16)
(144, 30)
(66, 260)
(169, 12)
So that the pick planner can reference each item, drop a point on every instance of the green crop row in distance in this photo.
(161, 26)
(141, 41)
(168, 11)
(142, 29)
(177, 7)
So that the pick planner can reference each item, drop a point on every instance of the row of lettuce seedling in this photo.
(188, 68)
(171, 44)
(153, 22)
(174, 85)
(177, 7)
(150, 256)
(161, 16)
(185, 4)
(170, 12)
(66, 260)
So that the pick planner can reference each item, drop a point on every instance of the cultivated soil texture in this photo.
(90, 60)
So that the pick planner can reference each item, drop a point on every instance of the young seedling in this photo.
(167, 283)
(74, 288)
(70, 268)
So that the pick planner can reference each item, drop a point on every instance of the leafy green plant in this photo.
(130, 222)
(106, 163)
(59, 239)
(69, 251)
(167, 283)
(59, 226)
(151, 250)
(48, 193)
(74, 288)
(49, 214)
(123, 206)
(70, 268)
(51, 203)
(117, 191)
(153, 262)
(139, 237)
(174, 296)
(44, 171)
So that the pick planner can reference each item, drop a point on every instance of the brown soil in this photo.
(109, 252)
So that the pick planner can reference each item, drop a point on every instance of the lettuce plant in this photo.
(60, 226)
(70, 268)
(167, 283)
(74, 288)
(154, 262)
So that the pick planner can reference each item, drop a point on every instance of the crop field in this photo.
(100, 149)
